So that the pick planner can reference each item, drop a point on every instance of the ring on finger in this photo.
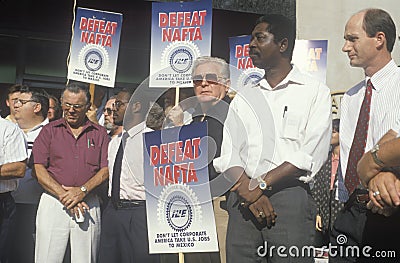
(376, 193)
(261, 214)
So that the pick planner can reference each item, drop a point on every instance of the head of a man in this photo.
(130, 108)
(12, 94)
(211, 81)
(369, 38)
(272, 40)
(30, 107)
(55, 111)
(108, 114)
(120, 105)
(75, 102)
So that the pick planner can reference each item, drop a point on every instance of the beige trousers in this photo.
(54, 227)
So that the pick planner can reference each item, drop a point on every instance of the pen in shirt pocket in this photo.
(284, 111)
(90, 143)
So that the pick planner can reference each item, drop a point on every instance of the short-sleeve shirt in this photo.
(71, 161)
(12, 149)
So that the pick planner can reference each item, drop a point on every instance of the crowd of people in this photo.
(279, 172)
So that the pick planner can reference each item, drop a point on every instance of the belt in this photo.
(5, 195)
(287, 183)
(123, 203)
(362, 198)
(359, 196)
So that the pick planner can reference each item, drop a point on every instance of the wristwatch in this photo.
(84, 189)
(374, 153)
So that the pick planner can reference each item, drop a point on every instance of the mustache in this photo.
(253, 52)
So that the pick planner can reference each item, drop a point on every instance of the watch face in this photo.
(263, 185)
(83, 189)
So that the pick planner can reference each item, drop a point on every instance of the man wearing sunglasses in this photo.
(276, 138)
(70, 162)
(124, 236)
(211, 81)
(30, 107)
(113, 130)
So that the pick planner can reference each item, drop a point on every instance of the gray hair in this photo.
(224, 66)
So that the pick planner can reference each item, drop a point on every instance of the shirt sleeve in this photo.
(41, 147)
(314, 147)
(396, 127)
(15, 147)
(232, 141)
(104, 150)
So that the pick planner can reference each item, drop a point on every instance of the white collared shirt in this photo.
(384, 112)
(12, 149)
(29, 190)
(132, 174)
(266, 127)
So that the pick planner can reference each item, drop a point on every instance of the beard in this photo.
(109, 126)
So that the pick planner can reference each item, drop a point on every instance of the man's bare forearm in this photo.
(12, 170)
(47, 181)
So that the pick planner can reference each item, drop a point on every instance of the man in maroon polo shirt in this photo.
(70, 156)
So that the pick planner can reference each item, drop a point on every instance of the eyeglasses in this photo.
(119, 103)
(211, 78)
(74, 106)
(22, 102)
(108, 110)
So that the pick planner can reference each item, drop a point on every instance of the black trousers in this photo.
(23, 240)
(7, 215)
(124, 236)
(374, 236)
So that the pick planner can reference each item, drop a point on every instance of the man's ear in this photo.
(380, 39)
(283, 45)
(227, 84)
(137, 106)
(8, 103)
(37, 108)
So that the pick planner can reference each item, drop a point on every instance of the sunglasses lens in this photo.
(197, 80)
(211, 77)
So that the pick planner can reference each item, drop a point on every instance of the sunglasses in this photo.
(108, 110)
(118, 103)
(211, 78)
(68, 106)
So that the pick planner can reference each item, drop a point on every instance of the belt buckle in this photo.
(362, 198)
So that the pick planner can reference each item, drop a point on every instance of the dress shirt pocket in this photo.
(93, 156)
(291, 126)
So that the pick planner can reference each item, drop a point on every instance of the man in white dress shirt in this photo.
(276, 137)
(369, 39)
(13, 157)
(124, 230)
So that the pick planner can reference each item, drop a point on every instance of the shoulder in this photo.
(7, 125)
(355, 89)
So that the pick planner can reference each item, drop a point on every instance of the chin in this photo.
(206, 99)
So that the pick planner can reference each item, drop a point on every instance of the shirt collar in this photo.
(294, 76)
(40, 125)
(136, 129)
(382, 75)
(88, 123)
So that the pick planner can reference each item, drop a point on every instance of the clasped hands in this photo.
(72, 199)
(253, 198)
(384, 193)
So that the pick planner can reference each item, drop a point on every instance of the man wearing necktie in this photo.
(124, 234)
(369, 110)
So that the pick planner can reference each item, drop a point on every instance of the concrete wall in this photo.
(326, 20)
